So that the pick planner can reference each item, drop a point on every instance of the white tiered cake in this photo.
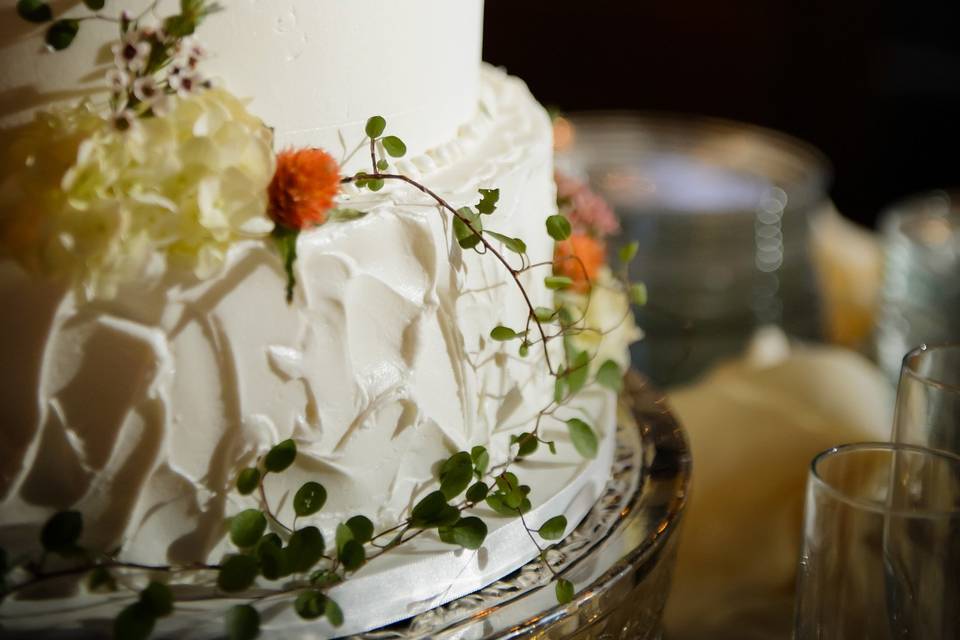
(138, 409)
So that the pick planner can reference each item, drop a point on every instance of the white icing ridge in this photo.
(139, 411)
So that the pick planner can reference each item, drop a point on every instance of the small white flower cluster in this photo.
(149, 68)
(103, 208)
(608, 328)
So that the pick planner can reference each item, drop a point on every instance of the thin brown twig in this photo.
(488, 246)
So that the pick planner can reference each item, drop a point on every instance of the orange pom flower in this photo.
(303, 188)
(579, 258)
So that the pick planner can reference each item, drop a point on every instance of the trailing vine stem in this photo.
(488, 246)
(41, 577)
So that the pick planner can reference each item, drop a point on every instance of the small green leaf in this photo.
(61, 33)
(375, 127)
(503, 334)
(558, 227)
(94, 5)
(578, 372)
(310, 604)
(275, 562)
(477, 492)
(324, 578)
(361, 527)
(237, 573)
(515, 245)
(158, 598)
(100, 580)
(556, 283)
(345, 215)
(62, 531)
(135, 622)
(497, 502)
(281, 456)
(382, 165)
(564, 590)
(524, 349)
(507, 482)
(544, 314)
(242, 622)
(638, 294)
(344, 534)
(481, 459)
(270, 538)
(527, 444)
(246, 527)
(554, 528)
(455, 474)
(309, 499)
(180, 26)
(353, 555)
(433, 511)
(610, 376)
(552, 446)
(333, 612)
(466, 238)
(248, 480)
(429, 507)
(304, 549)
(468, 533)
(375, 184)
(488, 201)
(629, 251)
(34, 10)
(560, 386)
(583, 437)
(394, 146)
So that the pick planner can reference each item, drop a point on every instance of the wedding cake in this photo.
(185, 293)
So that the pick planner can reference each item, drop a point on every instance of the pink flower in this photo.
(587, 212)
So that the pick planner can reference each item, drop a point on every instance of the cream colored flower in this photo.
(608, 328)
(80, 199)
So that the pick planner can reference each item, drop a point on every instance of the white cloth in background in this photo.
(754, 426)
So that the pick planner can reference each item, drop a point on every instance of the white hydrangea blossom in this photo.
(82, 200)
(608, 327)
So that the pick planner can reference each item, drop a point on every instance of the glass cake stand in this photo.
(620, 557)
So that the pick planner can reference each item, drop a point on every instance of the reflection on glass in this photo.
(928, 398)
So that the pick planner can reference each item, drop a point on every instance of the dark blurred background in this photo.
(874, 85)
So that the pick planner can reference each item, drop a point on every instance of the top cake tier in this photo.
(314, 70)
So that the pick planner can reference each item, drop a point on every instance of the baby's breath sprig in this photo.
(151, 63)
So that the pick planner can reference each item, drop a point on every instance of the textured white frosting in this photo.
(139, 411)
(315, 70)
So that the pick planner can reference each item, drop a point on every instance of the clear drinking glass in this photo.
(928, 398)
(881, 545)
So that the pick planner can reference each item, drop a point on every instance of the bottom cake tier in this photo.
(619, 557)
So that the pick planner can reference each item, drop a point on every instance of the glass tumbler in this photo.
(881, 545)
(928, 398)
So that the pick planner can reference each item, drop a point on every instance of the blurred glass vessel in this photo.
(920, 301)
(721, 211)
